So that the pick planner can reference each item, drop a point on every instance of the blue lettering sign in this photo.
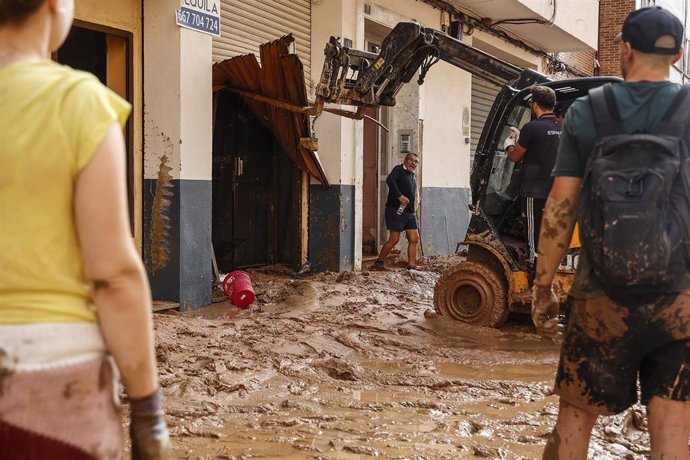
(196, 20)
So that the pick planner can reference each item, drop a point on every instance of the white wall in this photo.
(196, 99)
(579, 18)
(178, 98)
(162, 61)
(336, 134)
(446, 156)
(498, 47)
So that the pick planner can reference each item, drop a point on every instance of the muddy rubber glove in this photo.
(545, 313)
(148, 430)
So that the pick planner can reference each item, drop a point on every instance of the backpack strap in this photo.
(607, 118)
(676, 121)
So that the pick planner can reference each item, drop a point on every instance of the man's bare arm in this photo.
(558, 222)
(516, 152)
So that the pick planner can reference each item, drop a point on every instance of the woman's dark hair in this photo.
(15, 11)
(544, 96)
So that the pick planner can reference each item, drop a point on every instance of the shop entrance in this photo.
(256, 191)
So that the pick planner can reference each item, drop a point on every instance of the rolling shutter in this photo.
(246, 24)
(483, 96)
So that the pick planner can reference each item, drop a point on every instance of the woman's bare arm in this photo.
(113, 267)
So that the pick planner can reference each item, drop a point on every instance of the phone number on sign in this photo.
(199, 21)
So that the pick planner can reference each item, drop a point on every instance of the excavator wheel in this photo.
(473, 293)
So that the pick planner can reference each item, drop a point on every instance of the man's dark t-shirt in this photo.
(642, 106)
(401, 182)
(540, 138)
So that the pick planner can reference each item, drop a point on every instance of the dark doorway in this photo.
(255, 191)
(86, 50)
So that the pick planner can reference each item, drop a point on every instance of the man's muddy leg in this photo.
(413, 241)
(669, 428)
(569, 439)
(393, 238)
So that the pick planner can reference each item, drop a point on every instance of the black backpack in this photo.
(634, 211)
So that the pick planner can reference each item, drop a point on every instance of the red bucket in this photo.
(238, 286)
(243, 294)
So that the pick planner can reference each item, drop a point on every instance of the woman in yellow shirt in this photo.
(73, 292)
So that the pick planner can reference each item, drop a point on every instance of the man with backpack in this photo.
(622, 173)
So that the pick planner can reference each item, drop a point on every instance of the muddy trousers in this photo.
(59, 394)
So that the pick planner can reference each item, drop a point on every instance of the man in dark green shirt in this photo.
(612, 335)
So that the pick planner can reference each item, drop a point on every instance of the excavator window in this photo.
(500, 203)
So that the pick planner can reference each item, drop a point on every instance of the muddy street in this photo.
(357, 365)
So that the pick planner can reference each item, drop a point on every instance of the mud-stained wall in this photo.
(332, 228)
(445, 219)
(332, 238)
(177, 139)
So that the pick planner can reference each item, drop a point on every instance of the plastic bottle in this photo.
(401, 208)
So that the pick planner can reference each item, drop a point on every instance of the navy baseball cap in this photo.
(642, 28)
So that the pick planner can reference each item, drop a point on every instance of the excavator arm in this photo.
(364, 79)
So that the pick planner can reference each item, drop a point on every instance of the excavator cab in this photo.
(492, 280)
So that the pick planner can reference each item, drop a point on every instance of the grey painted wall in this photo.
(331, 227)
(445, 218)
(187, 276)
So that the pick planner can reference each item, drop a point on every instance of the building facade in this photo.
(614, 12)
(440, 120)
(207, 175)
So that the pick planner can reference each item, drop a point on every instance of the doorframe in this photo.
(382, 162)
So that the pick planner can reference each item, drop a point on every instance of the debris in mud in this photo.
(490, 452)
(341, 370)
(363, 450)
(338, 365)
(467, 428)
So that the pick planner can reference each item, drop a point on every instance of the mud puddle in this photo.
(356, 365)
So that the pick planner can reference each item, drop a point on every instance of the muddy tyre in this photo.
(472, 293)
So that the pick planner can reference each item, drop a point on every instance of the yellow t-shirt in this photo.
(52, 120)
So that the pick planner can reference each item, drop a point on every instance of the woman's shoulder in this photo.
(76, 80)
(81, 92)
(50, 80)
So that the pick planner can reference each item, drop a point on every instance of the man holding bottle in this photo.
(400, 211)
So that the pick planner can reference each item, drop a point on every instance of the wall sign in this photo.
(200, 15)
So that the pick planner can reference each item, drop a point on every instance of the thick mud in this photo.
(357, 365)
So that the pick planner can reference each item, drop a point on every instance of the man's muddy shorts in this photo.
(607, 345)
(398, 223)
